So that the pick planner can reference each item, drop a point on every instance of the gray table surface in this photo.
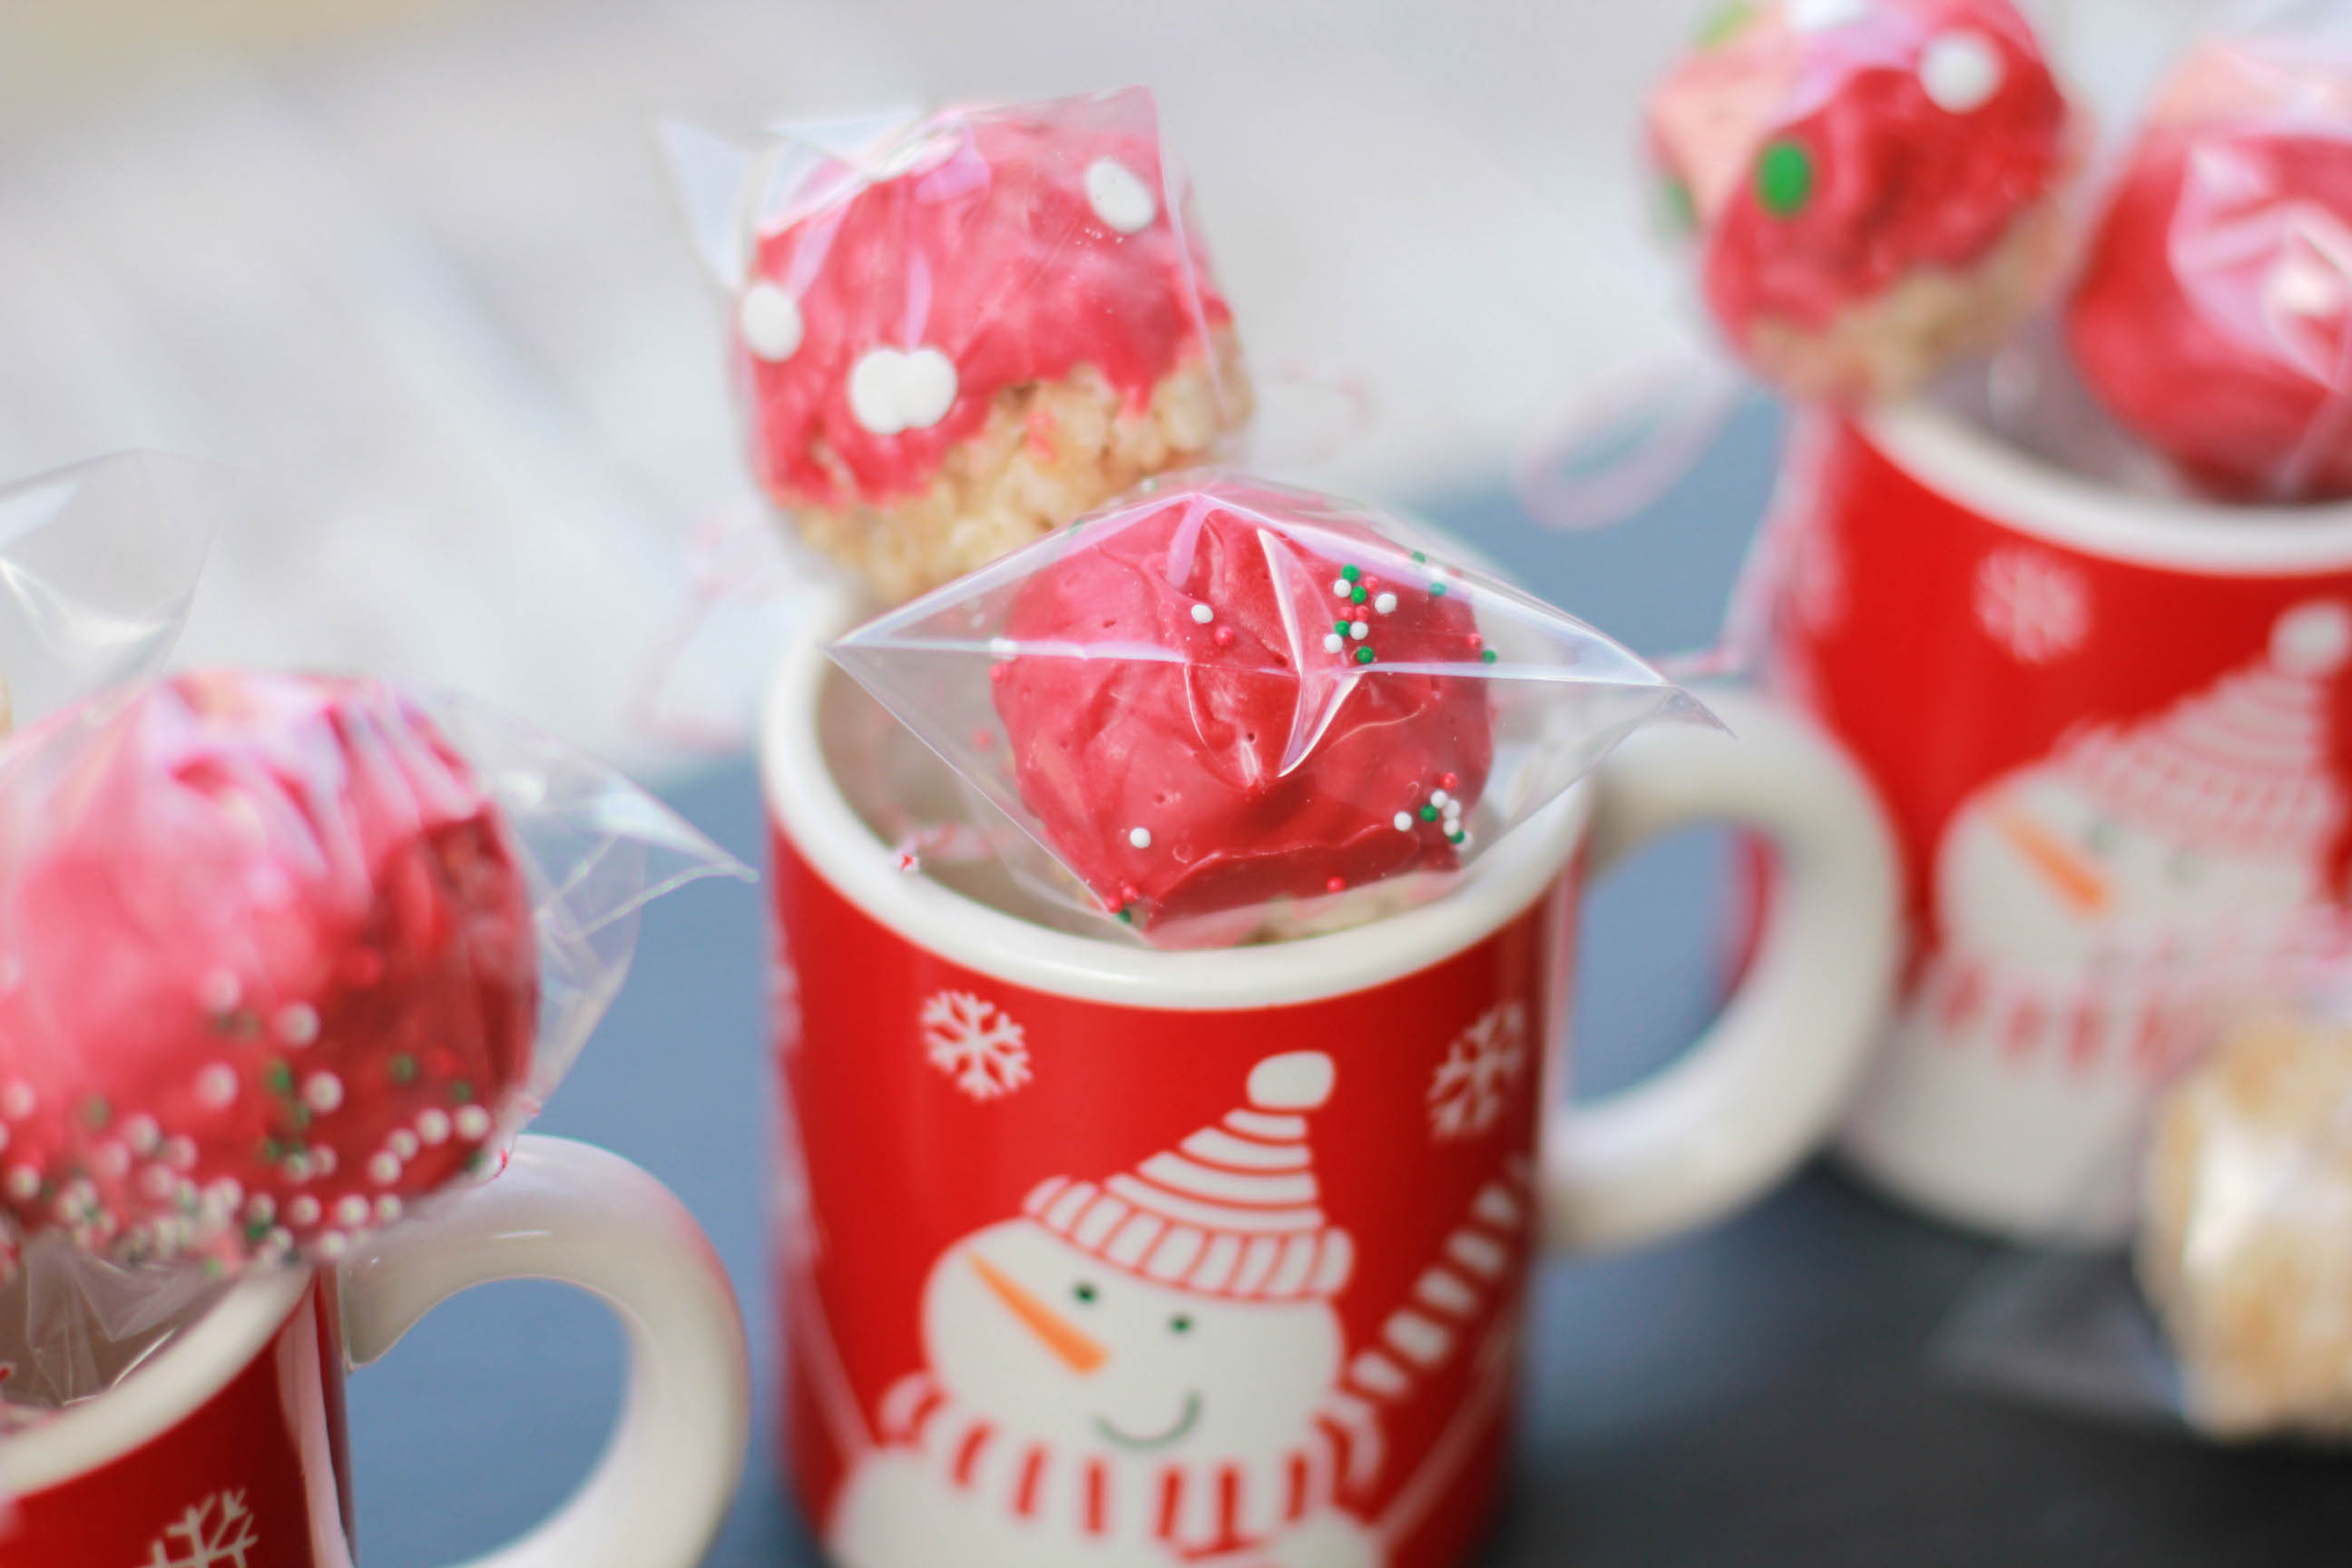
(1753, 1394)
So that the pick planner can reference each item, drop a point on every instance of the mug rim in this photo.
(806, 803)
(1968, 464)
(171, 1386)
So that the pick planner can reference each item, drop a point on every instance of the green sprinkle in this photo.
(1350, 573)
(1340, 628)
(1677, 213)
(403, 1067)
(257, 1231)
(1418, 556)
(1429, 814)
(1363, 655)
(1125, 915)
(1487, 657)
(1437, 590)
(279, 1078)
(272, 1150)
(1725, 22)
(1359, 596)
(1784, 178)
(95, 1111)
(476, 1161)
(1455, 837)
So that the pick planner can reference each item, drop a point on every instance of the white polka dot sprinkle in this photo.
(1140, 837)
(1203, 615)
(322, 1092)
(179, 1154)
(1119, 196)
(403, 1143)
(473, 1122)
(1331, 642)
(1385, 603)
(770, 321)
(1960, 69)
(1342, 588)
(1359, 630)
(333, 1245)
(892, 390)
(217, 1085)
(388, 1208)
(1440, 799)
(433, 1126)
(218, 991)
(298, 1023)
(23, 1183)
(142, 1134)
(383, 1169)
(352, 1210)
(1403, 822)
(302, 1209)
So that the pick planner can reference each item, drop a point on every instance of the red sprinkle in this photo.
(1336, 885)
(997, 672)
(1449, 780)
(1477, 642)
(1225, 637)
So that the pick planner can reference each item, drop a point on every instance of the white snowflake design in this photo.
(2033, 605)
(976, 1043)
(215, 1533)
(1481, 1070)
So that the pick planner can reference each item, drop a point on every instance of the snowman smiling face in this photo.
(1056, 1345)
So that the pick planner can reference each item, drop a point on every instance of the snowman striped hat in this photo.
(1233, 1211)
(2244, 767)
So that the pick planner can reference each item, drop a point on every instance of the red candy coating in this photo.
(1160, 781)
(266, 967)
(1017, 246)
(2213, 314)
(1885, 137)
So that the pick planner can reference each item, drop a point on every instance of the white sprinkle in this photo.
(770, 321)
(1119, 196)
(322, 1092)
(1359, 630)
(433, 1126)
(1203, 615)
(1959, 71)
(383, 1169)
(23, 1183)
(217, 1085)
(323, 1160)
(224, 1196)
(1140, 837)
(473, 1122)
(1453, 809)
(179, 1154)
(892, 391)
(262, 1209)
(1403, 822)
(302, 1209)
(1343, 588)
(219, 991)
(1438, 797)
(387, 1209)
(1384, 603)
(403, 1143)
(298, 1023)
(110, 1160)
(278, 1243)
(298, 1168)
(142, 1134)
(352, 1211)
(160, 1183)
(16, 1100)
(331, 1246)
(1330, 642)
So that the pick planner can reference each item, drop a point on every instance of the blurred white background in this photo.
(412, 264)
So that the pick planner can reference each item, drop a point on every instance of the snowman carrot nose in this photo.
(1079, 1352)
(2078, 881)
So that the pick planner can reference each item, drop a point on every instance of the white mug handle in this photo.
(1767, 1083)
(580, 1216)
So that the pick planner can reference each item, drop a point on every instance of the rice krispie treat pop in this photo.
(972, 333)
(1873, 184)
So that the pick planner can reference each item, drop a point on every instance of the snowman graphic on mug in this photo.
(1151, 1369)
(2093, 908)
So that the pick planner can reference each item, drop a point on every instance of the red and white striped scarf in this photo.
(2145, 1010)
(1204, 1508)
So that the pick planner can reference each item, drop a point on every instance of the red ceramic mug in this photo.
(2114, 738)
(227, 1449)
(1092, 1254)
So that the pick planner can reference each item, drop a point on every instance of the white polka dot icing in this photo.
(1119, 197)
(770, 321)
(1960, 69)
(1820, 16)
(891, 390)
